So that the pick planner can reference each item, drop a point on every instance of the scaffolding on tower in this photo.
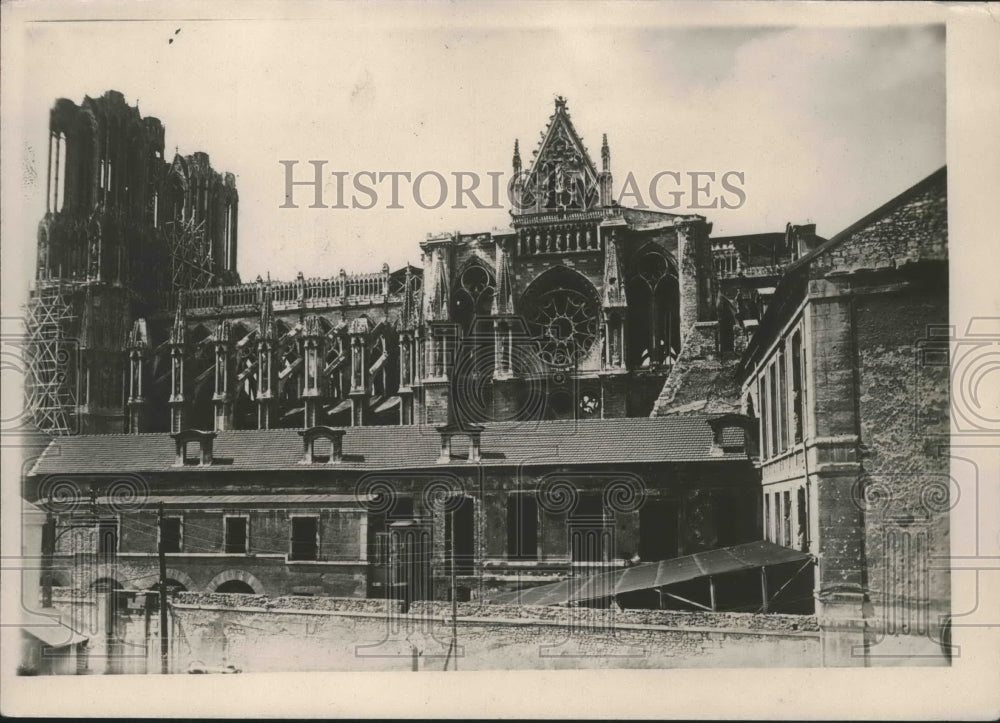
(190, 257)
(51, 357)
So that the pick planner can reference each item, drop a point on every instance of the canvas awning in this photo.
(651, 575)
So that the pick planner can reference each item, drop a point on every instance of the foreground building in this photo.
(848, 376)
(593, 389)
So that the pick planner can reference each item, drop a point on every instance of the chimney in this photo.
(333, 434)
(472, 431)
(205, 442)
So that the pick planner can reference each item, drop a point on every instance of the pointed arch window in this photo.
(654, 335)
(473, 296)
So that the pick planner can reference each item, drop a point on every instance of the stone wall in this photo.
(301, 634)
(906, 473)
(915, 231)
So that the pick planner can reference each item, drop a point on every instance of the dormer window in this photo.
(194, 447)
(192, 454)
(733, 434)
(322, 445)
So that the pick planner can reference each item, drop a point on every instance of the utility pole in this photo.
(148, 617)
(164, 643)
(48, 550)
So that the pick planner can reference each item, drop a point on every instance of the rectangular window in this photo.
(782, 404)
(659, 523)
(305, 538)
(460, 536)
(765, 437)
(803, 524)
(170, 534)
(522, 527)
(797, 387)
(236, 537)
(767, 518)
(772, 408)
(786, 519)
(776, 518)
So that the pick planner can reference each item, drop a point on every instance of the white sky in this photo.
(827, 124)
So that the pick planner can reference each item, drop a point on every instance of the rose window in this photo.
(564, 321)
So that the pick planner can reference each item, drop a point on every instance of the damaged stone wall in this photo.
(702, 381)
(301, 634)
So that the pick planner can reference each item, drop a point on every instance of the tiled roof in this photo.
(587, 442)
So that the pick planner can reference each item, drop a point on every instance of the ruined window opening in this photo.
(170, 534)
(659, 524)
(304, 538)
(654, 306)
(797, 386)
(522, 527)
(236, 538)
(460, 536)
(728, 318)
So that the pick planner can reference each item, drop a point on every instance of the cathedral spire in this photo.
(517, 158)
(605, 177)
